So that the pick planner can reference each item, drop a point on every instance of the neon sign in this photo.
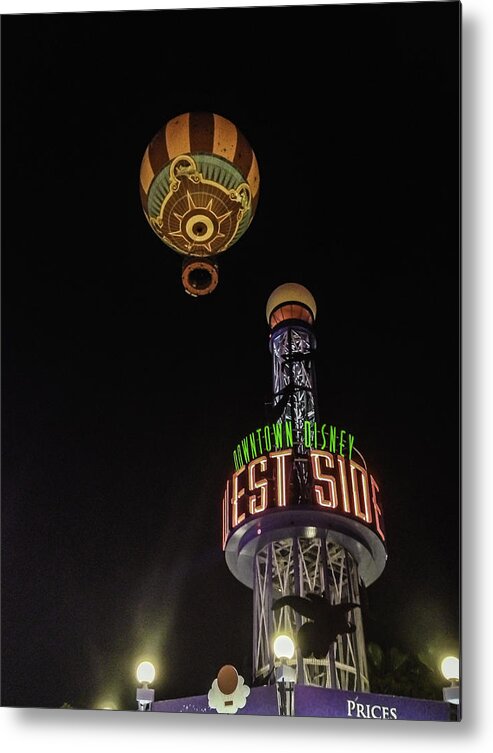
(279, 436)
(339, 485)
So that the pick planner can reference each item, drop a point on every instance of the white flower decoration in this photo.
(228, 703)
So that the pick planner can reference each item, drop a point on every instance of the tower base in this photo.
(299, 566)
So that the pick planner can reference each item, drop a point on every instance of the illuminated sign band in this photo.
(279, 436)
(339, 485)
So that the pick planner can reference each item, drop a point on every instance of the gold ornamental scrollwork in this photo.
(199, 216)
(243, 195)
(183, 165)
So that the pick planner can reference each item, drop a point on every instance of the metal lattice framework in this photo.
(301, 566)
(293, 376)
(294, 389)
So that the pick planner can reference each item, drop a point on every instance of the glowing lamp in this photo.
(284, 647)
(284, 674)
(451, 671)
(450, 668)
(146, 672)
(145, 695)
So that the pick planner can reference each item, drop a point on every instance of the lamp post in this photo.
(450, 669)
(145, 695)
(285, 674)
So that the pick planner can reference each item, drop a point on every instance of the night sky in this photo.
(123, 397)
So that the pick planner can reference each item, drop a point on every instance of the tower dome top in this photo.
(290, 292)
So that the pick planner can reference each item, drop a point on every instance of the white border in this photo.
(51, 730)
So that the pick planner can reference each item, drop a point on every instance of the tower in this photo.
(301, 512)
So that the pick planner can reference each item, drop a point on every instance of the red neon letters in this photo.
(339, 485)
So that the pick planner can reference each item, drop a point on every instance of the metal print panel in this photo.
(231, 361)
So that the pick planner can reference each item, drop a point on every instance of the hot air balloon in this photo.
(199, 186)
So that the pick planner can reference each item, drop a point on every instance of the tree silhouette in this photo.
(394, 672)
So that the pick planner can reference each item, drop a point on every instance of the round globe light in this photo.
(450, 668)
(146, 672)
(284, 647)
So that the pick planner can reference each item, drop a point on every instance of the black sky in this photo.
(123, 397)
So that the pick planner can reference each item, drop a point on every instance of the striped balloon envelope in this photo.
(199, 186)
